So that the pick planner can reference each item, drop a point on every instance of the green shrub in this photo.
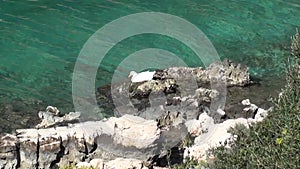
(275, 142)
(190, 163)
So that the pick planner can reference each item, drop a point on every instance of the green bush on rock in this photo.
(190, 163)
(275, 142)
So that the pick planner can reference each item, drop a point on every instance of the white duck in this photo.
(141, 77)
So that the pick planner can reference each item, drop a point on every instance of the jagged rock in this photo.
(206, 95)
(118, 163)
(252, 108)
(173, 130)
(83, 164)
(121, 163)
(246, 102)
(198, 97)
(49, 148)
(194, 127)
(74, 149)
(189, 107)
(50, 119)
(214, 135)
(236, 74)
(258, 113)
(8, 151)
(133, 131)
(142, 90)
(129, 136)
(182, 89)
(97, 163)
(261, 114)
(171, 118)
(197, 152)
(28, 148)
(53, 110)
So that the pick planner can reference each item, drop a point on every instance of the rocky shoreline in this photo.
(152, 117)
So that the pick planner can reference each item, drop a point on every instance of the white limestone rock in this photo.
(194, 127)
(50, 119)
(8, 151)
(261, 114)
(97, 163)
(53, 110)
(246, 102)
(135, 131)
(129, 136)
(198, 152)
(83, 164)
(217, 134)
(122, 163)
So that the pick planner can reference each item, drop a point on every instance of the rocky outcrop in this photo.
(121, 163)
(178, 79)
(9, 155)
(235, 74)
(51, 117)
(104, 142)
(129, 136)
(152, 115)
(183, 89)
(213, 135)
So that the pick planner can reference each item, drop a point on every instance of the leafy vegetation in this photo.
(190, 163)
(275, 142)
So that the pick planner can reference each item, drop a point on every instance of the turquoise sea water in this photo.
(41, 39)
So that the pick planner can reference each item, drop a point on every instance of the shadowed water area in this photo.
(40, 42)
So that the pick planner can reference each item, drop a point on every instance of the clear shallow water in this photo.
(40, 42)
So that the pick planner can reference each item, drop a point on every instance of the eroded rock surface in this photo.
(49, 119)
(183, 89)
(213, 135)
(109, 140)
(9, 157)
(129, 136)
